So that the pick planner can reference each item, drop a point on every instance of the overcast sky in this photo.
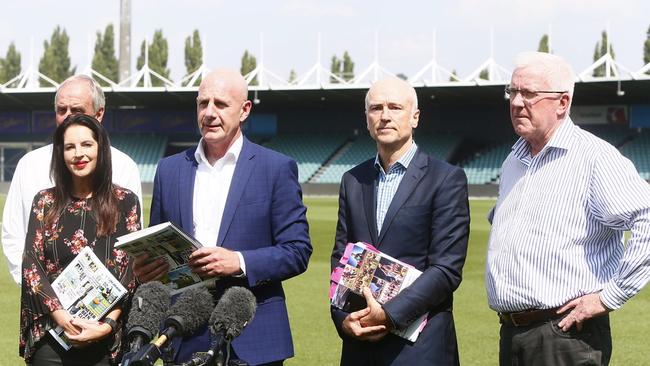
(290, 29)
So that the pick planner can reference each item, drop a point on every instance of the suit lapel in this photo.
(412, 177)
(187, 174)
(369, 192)
(243, 170)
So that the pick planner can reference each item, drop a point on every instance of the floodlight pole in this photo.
(376, 71)
(608, 64)
(550, 30)
(491, 68)
(434, 66)
(318, 59)
(261, 65)
(124, 67)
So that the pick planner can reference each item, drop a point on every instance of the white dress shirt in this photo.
(211, 186)
(557, 230)
(33, 175)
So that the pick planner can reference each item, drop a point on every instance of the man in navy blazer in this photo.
(422, 209)
(244, 203)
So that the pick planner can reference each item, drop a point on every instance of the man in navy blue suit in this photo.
(413, 207)
(244, 204)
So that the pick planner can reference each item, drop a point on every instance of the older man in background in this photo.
(77, 94)
(556, 263)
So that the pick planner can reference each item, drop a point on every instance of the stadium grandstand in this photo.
(319, 121)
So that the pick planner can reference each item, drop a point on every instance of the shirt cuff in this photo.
(242, 265)
(613, 297)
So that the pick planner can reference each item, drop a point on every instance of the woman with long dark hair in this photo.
(83, 209)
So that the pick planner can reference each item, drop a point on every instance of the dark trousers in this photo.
(49, 352)
(546, 344)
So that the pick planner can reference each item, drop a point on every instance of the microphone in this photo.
(184, 317)
(232, 313)
(148, 307)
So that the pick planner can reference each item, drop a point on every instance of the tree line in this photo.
(55, 61)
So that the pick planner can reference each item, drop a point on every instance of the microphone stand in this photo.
(211, 359)
(167, 355)
(202, 362)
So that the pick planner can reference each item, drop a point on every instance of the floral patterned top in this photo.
(48, 249)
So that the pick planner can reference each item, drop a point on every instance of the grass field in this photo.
(315, 339)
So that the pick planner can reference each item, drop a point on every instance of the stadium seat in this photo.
(638, 151)
(485, 167)
(309, 151)
(145, 150)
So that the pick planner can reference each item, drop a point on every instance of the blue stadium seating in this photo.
(362, 149)
(485, 167)
(442, 147)
(615, 135)
(309, 151)
(638, 150)
(365, 148)
(145, 150)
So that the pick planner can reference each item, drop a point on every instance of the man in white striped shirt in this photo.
(556, 263)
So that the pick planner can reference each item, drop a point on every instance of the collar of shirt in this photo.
(231, 155)
(403, 161)
(561, 139)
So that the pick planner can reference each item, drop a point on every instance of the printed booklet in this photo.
(86, 289)
(362, 265)
(171, 243)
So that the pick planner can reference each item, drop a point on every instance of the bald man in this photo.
(244, 204)
(412, 207)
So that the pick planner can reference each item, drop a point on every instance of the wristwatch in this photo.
(112, 323)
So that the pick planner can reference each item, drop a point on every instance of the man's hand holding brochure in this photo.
(363, 266)
(168, 242)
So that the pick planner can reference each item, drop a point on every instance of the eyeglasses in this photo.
(528, 94)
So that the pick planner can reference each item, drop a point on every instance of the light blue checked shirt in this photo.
(557, 230)
(389, 182)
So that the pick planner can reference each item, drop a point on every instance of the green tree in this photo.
(599, 51)
(543, 44)
(104, 60)
(193, 52)
(158, 52)
(646, 50)
(336, 69)
(453, 76)
(55, 62)
(348, 67)
(248, 64)
(293, 76)
(484, 74)
(10, 65)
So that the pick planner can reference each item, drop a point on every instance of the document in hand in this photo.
(362, 265)
(86, 289)
(171, 243)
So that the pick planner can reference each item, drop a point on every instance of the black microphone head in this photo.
(148, 307)
(190, 311)
(233, 312)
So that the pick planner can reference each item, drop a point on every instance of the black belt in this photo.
(529, 317)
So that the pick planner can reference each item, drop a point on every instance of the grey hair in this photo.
(557, 73)
(96, 92)
(412, 95)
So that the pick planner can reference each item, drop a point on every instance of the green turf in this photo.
(315, 339)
